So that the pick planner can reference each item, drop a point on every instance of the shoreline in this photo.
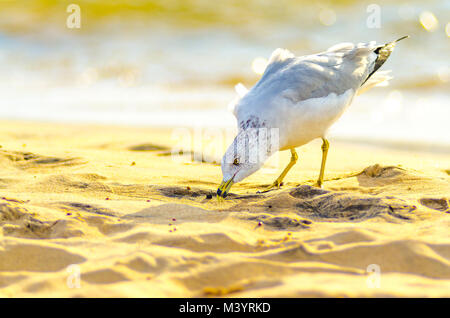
(387, 145)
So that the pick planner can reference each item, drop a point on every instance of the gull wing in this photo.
(278, 59)
(342, 67)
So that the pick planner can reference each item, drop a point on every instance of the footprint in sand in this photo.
(28, 160)
(73, 182)
(16, 221)
(147, 147)
(89, 208)
(310, 202)
(279, 222)
(181, 192)
(377, 171)
(436, 204)
(346, 206)
(9, 212)
(165, 151)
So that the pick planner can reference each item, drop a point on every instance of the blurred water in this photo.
(178, 65)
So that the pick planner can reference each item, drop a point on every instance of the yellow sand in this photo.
(111, 204)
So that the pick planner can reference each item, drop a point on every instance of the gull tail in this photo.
(380, 78)
(383, 52)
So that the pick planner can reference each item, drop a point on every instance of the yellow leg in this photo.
(279, 180)
(325, 147)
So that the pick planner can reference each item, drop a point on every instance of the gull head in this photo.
(244, 156)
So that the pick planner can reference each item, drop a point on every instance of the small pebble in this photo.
(189, 188)
(148, 200)
(259, 223)
(133, 163)
(174, 219)
(107, 199)
(69, 213)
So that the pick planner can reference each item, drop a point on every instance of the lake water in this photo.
(175, 63)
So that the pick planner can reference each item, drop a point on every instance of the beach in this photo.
(111, 211)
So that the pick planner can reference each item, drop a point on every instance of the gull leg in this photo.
(277, 182)
(325, 146)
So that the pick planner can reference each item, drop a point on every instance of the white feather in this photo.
(241, 91)
(379, 78)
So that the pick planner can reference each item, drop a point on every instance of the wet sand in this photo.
(110, 204)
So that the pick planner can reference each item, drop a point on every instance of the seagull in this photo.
(296, 100)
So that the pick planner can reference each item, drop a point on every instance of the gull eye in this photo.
(236, 162)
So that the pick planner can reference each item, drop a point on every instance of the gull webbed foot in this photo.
(318, 184)
(276, 184)
(279, 181)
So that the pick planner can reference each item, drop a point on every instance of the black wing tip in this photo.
(383, 52)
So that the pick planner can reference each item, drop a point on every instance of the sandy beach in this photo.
(105, 211)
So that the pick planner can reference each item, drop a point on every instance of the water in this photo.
(175, 63)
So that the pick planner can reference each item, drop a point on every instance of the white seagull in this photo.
(299, 98)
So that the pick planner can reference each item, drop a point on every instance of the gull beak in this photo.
(224, 188)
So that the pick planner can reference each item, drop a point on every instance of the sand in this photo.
(99, 211)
